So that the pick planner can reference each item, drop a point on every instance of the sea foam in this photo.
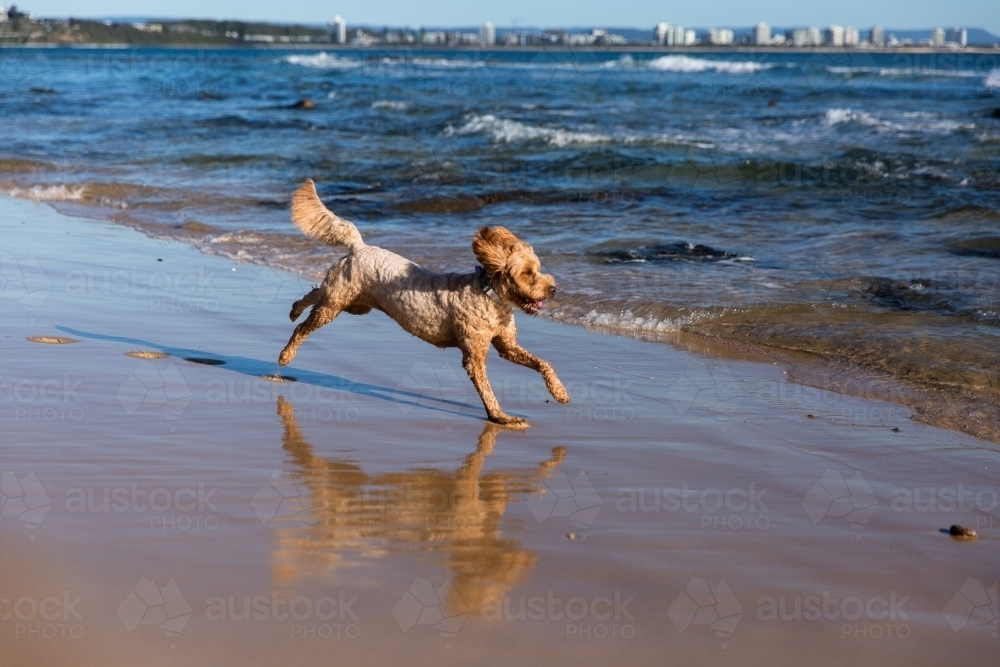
(322, 60)
(688, 64)
(507, 131)
(45, 193)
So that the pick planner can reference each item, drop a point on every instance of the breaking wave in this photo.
(391, 105)
(688, 64)
(916, 121)
(322, 60)
(45, 193)
(506, 131)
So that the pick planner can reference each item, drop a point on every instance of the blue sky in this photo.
(900, 14)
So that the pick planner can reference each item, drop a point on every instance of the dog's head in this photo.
(513, 268)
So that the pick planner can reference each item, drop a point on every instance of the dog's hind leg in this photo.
(310, 299)
(321, 314)
(506, 344)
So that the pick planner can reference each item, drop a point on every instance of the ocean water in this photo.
(835, 206)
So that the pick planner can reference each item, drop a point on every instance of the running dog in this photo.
(469, 311)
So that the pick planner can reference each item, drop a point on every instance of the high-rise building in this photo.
(488, 34)
(957, 36)
(851, 37)
(3, 14)
(876, 37)
(666, 34)
(798, 37)
(814, 37)
(937, 37)
(719, 36)
(690, 38)
(660, 31)
(762, 34)
(834, 36)
(338, 30)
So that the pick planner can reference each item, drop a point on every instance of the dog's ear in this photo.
(492, 246)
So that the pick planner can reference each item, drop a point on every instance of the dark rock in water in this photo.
(904, 295)
(985, 246)
(304, 103)
(996, 113)
(961, 531)
(665, 252)
(42, 91)
(210, 96)
(772, 103)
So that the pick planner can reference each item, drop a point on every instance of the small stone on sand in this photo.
(962, 532)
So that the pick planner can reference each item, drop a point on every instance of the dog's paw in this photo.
(507, 420)
(285, 357)
(559, 393)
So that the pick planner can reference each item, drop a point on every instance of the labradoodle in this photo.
(464, 310)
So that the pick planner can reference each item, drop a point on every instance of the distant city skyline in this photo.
(898, 14)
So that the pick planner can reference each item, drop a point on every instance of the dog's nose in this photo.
(552, 291)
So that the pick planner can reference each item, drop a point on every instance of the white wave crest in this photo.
(910, 122)
(322, 60)
(506, 131)
(992, 79)
(900, 71)
(391, 105)
(628, 321)
(841, 116)
(688, 64)
(46, 193)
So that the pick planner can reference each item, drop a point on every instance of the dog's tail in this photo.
(316, 220)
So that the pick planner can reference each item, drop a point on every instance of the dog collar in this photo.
(486, 285)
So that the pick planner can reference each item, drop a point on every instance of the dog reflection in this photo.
(351, 516)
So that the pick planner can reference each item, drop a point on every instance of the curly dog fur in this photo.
(444, 309)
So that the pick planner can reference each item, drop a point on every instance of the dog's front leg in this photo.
(508, 348)
(474, 363)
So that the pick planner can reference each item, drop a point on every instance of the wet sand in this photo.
(682, 508)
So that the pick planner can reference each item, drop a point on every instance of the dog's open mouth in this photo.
(531, 306)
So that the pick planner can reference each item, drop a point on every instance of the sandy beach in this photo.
(688, 506)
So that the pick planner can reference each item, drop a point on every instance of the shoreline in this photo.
(955, 409)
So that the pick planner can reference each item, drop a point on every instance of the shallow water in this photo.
(843, 205)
